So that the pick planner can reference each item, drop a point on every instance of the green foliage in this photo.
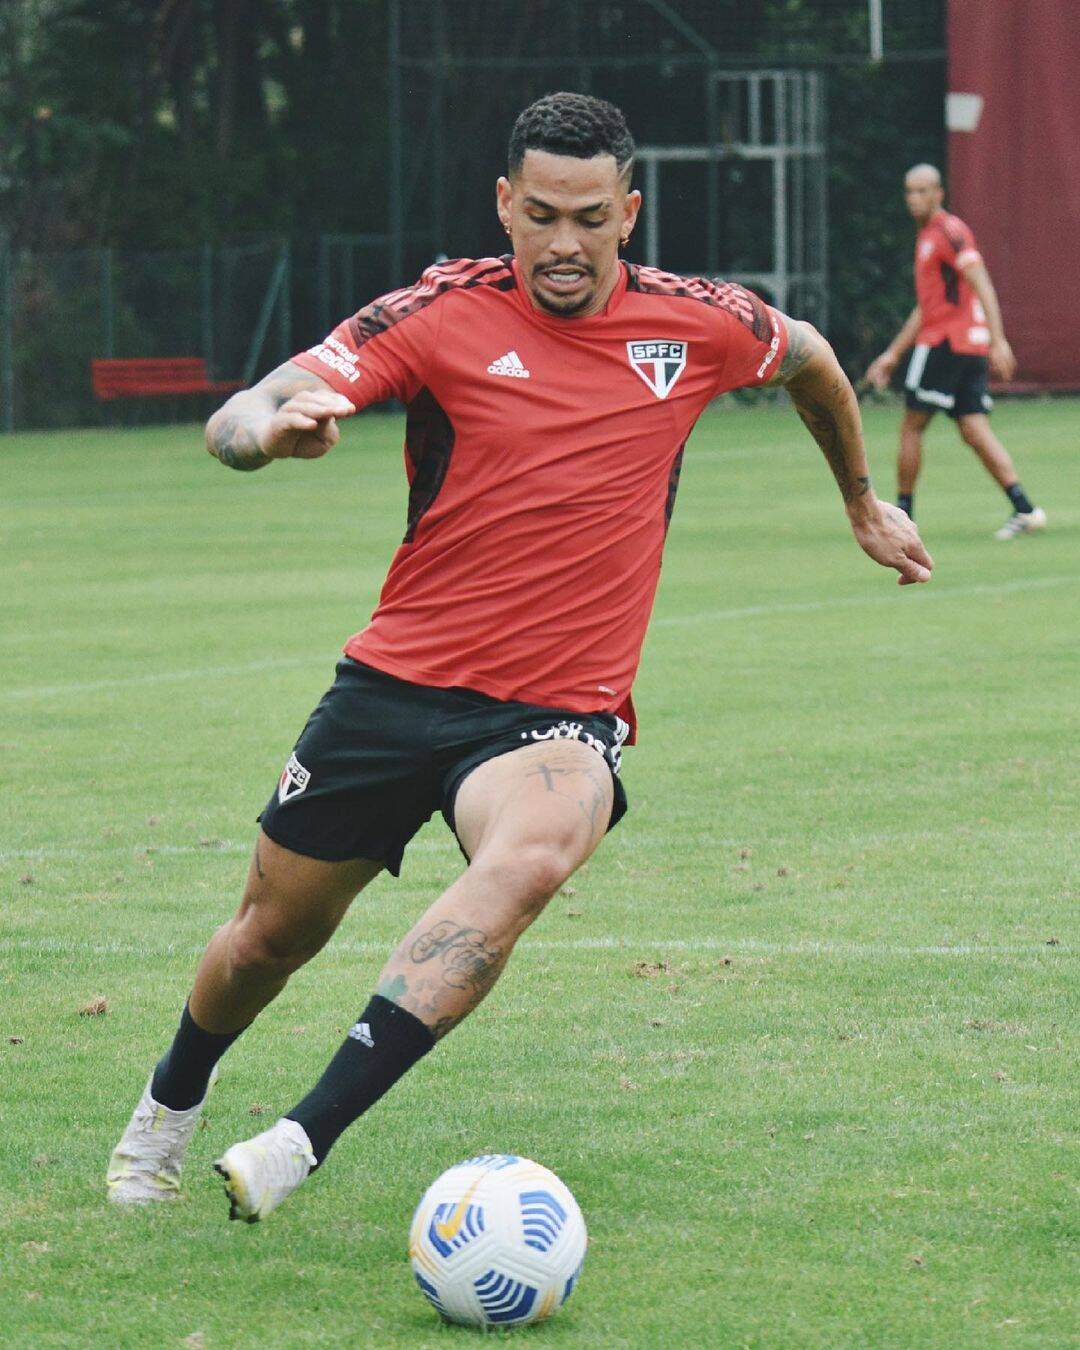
(802, 1040)
(881, 126)
(152, 126)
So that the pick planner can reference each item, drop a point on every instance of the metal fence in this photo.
(457, 79)
(59, 311)
(734, 189)
(244, 308)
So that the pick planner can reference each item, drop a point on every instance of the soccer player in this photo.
(550, 394)
(955, 325)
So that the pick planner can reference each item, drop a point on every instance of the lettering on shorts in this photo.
(575, 731)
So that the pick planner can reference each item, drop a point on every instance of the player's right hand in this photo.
(305, 426)
(879, 372)
(889, 536)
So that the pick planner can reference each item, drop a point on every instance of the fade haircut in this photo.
(572, 124)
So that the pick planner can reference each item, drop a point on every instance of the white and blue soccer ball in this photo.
(497, 1240)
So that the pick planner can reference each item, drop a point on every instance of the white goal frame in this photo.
(754, 115)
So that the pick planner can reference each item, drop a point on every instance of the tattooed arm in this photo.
(290, 414)
(824, 399)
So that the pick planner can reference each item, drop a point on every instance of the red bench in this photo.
(154, 376)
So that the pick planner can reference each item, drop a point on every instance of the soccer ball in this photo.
(497, 1241)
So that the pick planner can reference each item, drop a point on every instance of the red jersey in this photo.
(948, 307)
(543, 455)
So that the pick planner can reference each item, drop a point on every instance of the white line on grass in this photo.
(612, 943)
(165, 676)
(887, 597)
(211, 847)
(641, 841)
(180, 675)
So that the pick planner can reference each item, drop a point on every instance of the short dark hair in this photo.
(572, 124)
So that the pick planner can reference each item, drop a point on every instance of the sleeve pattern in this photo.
(748, 308)
(390, 309)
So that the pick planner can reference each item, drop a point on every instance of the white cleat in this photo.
(145, 1165)
(262, 1172)
(1022, 522)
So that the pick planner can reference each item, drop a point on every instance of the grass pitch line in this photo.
(159, 677)
(851, 601)
(180, 675)
(609, 943)
(643, 842)
(211, 848)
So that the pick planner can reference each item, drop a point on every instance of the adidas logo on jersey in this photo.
(510, 364)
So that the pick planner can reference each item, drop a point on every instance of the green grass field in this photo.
(799, 1038)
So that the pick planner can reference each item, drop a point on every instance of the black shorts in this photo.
(379, 756)
(941, 380)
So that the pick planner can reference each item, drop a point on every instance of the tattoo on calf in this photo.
(466, 960)
(392, 987)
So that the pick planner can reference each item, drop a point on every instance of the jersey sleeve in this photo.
(383, 351)
(751, 340)
(960, 243)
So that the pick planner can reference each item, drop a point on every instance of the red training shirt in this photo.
(948, 307)
(542, 455)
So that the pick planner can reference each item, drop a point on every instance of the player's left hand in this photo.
(879, 372)
(889, 536)
(1002, 361)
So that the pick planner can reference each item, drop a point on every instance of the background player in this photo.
(955, 325)
(549, 398)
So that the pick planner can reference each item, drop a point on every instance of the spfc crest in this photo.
(294, 779)
(658, 362)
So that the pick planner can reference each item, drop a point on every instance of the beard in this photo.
(565, 306)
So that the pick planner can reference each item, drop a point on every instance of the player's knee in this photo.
(913, 424)
(530, 874)
(255, 949)
(971, 434)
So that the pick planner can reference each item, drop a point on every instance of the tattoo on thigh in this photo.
(258, 863)
(590, 799)
(466, 960)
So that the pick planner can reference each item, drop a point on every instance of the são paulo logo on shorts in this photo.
(294, 779)
(659, 362)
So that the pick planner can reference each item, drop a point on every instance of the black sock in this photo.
(906, 502)
(1019, 499)
(383, 1045)
(181, 1078)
